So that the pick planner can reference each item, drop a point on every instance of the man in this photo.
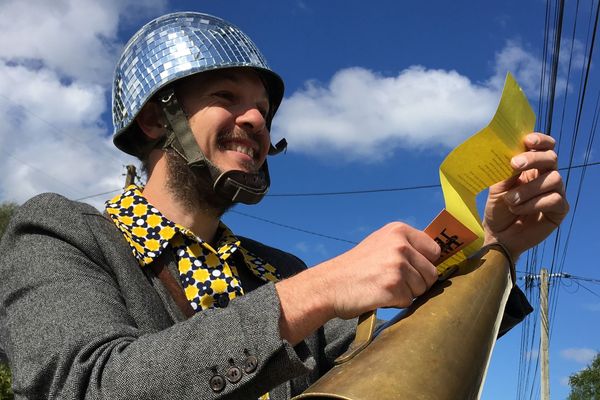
(157, 298)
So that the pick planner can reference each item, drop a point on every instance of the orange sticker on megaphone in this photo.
(450, 234)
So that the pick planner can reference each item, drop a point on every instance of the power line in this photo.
(581, 278)
(397, 189)
(57, 129)
(562, 118)
(293, 227)
(348, 192)
(546, 99)
(309, 194)
(579, 115)
(588, 289)
(97, 195)
(40, 171)
(351, 192)
(588, 151)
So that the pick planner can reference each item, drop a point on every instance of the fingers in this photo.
(415, 271)
(539, 155)
(423, 244)
(542, 187)
(419, 274)
(524, 209)
(539, 142)
(547, 182)
(544, 194)
(389, 268)
(540, 160)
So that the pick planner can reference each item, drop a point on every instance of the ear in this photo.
(151, 120)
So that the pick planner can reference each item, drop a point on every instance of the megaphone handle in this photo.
(364, 336)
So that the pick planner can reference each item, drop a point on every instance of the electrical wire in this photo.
(63, 133)
(554, 65)
(97, 195)
(568, 80)
(588, 289)
(551, 53)
(41, 171)
(529, 254)
(581, 278)
(347, 192)
(581, 102)
(352, 192)
(588, 151)
(293, 227)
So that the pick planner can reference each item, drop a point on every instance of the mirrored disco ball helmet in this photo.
(173, 47)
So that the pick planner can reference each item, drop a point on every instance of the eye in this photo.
(263, 110)
(225, 95)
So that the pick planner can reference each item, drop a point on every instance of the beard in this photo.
(193, 187)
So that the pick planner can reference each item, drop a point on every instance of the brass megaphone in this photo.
(440, 351)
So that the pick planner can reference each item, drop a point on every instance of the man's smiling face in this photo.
(227, 112)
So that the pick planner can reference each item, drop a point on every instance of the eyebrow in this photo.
(228, 76)
(232, 77)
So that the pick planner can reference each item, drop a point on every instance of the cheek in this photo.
(205, 130)
(206, 148)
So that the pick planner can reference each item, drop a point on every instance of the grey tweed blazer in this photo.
(79, 319)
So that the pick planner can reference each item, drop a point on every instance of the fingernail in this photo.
(533, 139)
(514, 197)
(519, 161)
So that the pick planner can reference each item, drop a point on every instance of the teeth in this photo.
(243, 149)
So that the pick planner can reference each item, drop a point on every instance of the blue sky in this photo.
(377, 94)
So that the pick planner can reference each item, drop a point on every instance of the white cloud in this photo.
(56, 61)
(77, 38)
(361, 114)
(527, 68)
(523, 65)
(52, 140)
(580, 355)
(576, 54)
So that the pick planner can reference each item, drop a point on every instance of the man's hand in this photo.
(390, 268)
(523, 210)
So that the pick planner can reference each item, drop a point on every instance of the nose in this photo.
(251, 120)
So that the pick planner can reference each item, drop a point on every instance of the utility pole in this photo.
(130, 175)
(544, 330)
(544, 278)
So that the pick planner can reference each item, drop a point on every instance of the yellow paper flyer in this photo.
(483, 160)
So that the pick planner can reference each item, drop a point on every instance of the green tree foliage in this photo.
(6, 211)
(585, 385)
(6, 393)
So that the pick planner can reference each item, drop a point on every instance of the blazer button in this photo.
(217, 383)
(250, 364)
(233, 374)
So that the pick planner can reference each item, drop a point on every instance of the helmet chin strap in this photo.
(234, 186)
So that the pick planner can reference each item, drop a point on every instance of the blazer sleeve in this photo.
(69, 332)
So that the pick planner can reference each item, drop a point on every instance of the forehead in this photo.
(246, 78)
